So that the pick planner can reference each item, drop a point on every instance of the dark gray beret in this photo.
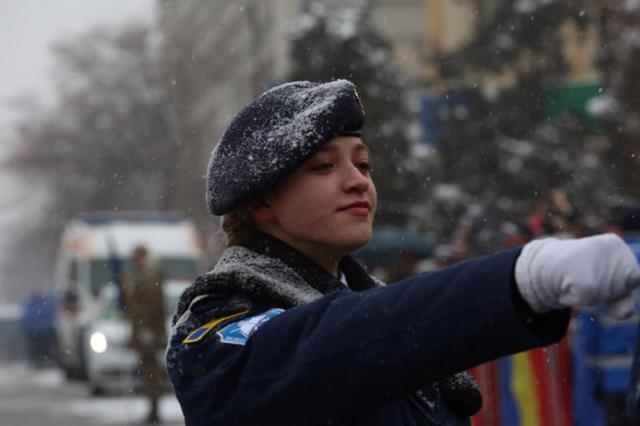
(274, 135)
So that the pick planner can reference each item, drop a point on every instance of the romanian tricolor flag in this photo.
(534, 389)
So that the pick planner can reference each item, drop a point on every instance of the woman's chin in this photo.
(355, 241)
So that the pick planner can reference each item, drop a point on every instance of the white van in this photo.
(109, 361)
(85, 271)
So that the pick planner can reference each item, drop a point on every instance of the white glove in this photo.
(553, 274)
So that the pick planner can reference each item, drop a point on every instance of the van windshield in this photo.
(101, 271)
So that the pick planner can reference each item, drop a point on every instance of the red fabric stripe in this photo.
(558, 401)
(541, 373)
(477, 373)
(486, 375)
(565, 381)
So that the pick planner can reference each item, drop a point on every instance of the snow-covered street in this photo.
(36, 397)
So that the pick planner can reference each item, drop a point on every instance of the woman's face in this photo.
(327, 205)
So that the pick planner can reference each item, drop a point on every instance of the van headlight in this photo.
(98, 342)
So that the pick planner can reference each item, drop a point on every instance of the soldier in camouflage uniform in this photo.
(145, 309)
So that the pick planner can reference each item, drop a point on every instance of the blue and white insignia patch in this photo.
(237, 333)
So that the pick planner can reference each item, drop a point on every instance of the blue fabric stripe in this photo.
(508, 407)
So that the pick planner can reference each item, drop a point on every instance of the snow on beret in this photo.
(272, 136)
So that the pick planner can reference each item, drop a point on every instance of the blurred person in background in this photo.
(404, 265)
(444, 255)
(515, 234)
(624, 220)
(472, 236)
(145, 309)
(38, 323)
(553, 215)
(288, 329)
(603, 346)
(563, 216)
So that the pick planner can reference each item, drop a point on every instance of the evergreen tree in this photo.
(618, 109)
(503, 150)
(331, 42)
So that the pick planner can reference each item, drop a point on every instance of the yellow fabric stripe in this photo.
(209, 326)
(523, 387)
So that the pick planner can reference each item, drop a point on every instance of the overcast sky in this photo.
(28, 28)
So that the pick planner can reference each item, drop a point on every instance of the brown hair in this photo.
(238, 225)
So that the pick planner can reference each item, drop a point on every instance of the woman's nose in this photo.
(355, 180)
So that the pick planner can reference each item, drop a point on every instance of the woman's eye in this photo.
(365, 166)
(322, 166)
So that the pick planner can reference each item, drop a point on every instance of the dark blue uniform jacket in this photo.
(247, 351)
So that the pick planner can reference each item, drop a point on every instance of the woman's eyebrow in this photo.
(357, 148)
(362, 147)
(327, 148)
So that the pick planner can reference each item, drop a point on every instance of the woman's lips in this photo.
(357, 209)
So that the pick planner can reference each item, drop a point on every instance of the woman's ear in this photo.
(261, 210)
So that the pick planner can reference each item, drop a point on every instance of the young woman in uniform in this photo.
(288, 329)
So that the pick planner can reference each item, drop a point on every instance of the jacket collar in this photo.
(309, 270)
(274, 272)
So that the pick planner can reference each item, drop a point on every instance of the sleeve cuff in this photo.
(550, 326)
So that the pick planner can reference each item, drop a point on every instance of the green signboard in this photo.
(572, 98)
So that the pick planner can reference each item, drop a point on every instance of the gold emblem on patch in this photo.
(199, 333)
(357, 96)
